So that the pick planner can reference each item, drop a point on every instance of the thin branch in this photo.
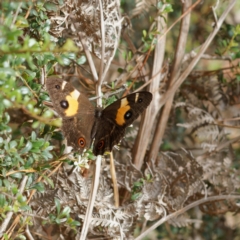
(116, 43)
(28, 233)
(16, 14)
(179, 55)
(182, 16)
(148, 118)
(183, 210)
(203, 48)
(88, 54)
(92, 197)
(9, 214)
(114, 180)
(102, 30)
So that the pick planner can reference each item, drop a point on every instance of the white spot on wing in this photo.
(136, 97)
(63, 84)
(75, 94)
(124, 102)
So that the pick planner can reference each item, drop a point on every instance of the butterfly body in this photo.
(83, 123)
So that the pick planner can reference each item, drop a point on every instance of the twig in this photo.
(33, 93)
(162, 76)
(29, 235)
(16, 14)
(114, 180)
(28, 12)
(97, 169)
(87, 52)
(102, 30)
(17, 219)
(148, 118)
(179, 55)
(182, 16)
(118, 33)
(214, 13)
(203, 48)
(93, 194)
(9, 214)
(183, 210)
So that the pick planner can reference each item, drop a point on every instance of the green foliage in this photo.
(229, 43)
(109, 101)
(149, 40)
(17, 203)
(28, 52)
(63, 216)
(137, 187)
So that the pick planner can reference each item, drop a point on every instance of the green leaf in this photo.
(21, 198)
(47, 114)
(25, 207)
(5, 235)
(14, 190)
(28, 75)
(168, 8)
(49, 181)
(50, 6)
(63, 60)
(159, 4)
(113, 85)
(21, 22)
(69, 46)
(138, 184)
(16, 175)
(46, 155)
(144, 33)
(13, 144)
(7, 103)
(74, 223)
(66, 211)
(120, 70)
(58, 221)
(33, 136)
(21, 142)
(2, 200)
(81, 60)
(135, 196)
(6, 183)
(27, 148)
(35, 124)
(111, 100)
(38, 186)
(57, 122)
(57, 204)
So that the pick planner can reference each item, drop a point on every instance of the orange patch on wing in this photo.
(73, 103)
(120, 120)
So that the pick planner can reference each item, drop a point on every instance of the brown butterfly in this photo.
(83, 123)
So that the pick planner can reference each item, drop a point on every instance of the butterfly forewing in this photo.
(67, 101)
(110, 126)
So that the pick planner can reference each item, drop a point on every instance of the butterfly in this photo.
(84, 124)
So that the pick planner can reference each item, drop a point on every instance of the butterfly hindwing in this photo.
(107, 135)
(77, 134)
